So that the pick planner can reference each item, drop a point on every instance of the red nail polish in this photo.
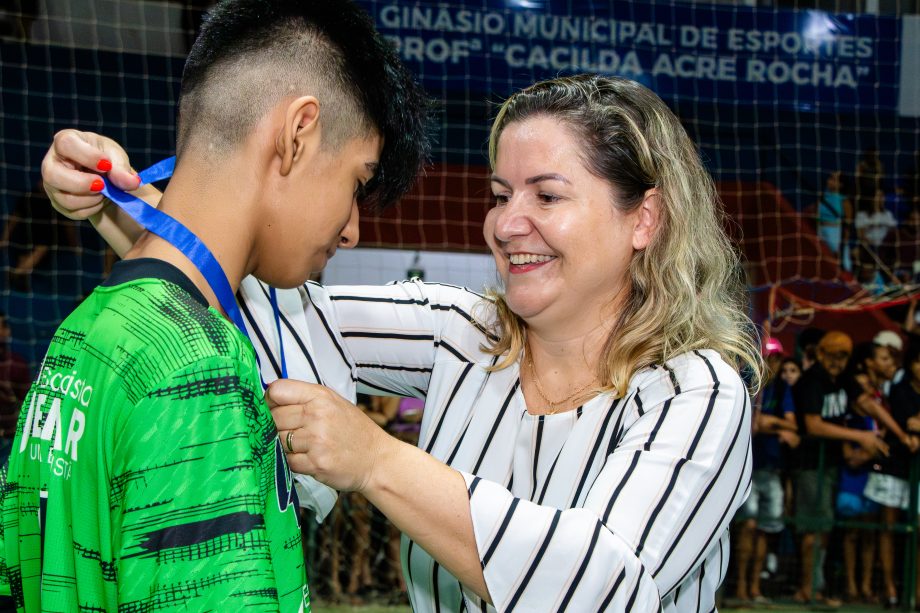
(138, 180)
(97, 185)
(104, 165)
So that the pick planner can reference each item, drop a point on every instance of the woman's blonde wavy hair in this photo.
(687, 287)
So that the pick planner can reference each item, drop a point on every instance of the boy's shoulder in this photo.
(149, 316)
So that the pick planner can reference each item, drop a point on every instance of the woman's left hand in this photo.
(324, 435)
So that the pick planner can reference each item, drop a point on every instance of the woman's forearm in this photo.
(428, 501)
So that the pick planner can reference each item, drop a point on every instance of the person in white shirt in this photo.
(873, 226)
(586, 434)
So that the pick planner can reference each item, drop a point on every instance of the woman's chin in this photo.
(526, 308)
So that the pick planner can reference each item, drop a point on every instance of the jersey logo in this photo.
(284, 482)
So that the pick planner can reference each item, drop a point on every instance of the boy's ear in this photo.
(300, 133)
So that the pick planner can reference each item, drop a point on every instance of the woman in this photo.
(586, 428)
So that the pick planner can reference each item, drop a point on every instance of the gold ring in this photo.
(290, 441)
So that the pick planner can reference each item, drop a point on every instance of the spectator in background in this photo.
(874, 223)
(15, 380)
(789, 371)
(895, 345)
(821, 402)
(761, 516)
(834, 217)
(905, 404)
(886, 484)
(870, 365)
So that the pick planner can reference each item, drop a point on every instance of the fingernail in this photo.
(97, 185)
(104, 165)
(138, 180)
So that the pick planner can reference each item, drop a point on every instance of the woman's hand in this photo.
(324, 435)
(329, 438)
(71, 169)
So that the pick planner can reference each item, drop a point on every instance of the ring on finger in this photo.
(289, 440)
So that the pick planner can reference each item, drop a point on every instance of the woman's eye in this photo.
(547, 198)
(501, 199)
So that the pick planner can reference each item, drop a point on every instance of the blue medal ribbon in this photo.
(175, 233)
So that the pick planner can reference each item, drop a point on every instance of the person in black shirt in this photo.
(821, 406)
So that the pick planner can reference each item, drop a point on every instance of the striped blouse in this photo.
(620, 505)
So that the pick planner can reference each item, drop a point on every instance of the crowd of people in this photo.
(835, 431)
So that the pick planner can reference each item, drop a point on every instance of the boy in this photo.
(146, 473)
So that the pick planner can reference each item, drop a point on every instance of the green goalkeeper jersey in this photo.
(146, 473)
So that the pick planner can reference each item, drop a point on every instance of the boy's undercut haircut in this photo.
(250, 54)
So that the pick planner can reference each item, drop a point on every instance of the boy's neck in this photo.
(219, 209)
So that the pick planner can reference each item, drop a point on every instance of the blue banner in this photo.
(809, 60)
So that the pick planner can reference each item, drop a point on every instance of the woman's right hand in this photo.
(71, 169)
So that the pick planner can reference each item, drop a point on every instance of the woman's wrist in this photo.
(384, 465)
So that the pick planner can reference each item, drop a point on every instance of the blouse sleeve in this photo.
(392, 335)
(678, 469)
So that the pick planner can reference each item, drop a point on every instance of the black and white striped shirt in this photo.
(621, 505)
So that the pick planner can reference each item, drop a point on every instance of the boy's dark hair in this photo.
(252, 53)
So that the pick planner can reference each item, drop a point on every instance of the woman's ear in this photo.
(300, 133)
(647, 217)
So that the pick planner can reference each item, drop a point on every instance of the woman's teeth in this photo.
(529, 258)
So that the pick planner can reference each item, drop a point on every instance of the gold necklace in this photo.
(553, 405)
